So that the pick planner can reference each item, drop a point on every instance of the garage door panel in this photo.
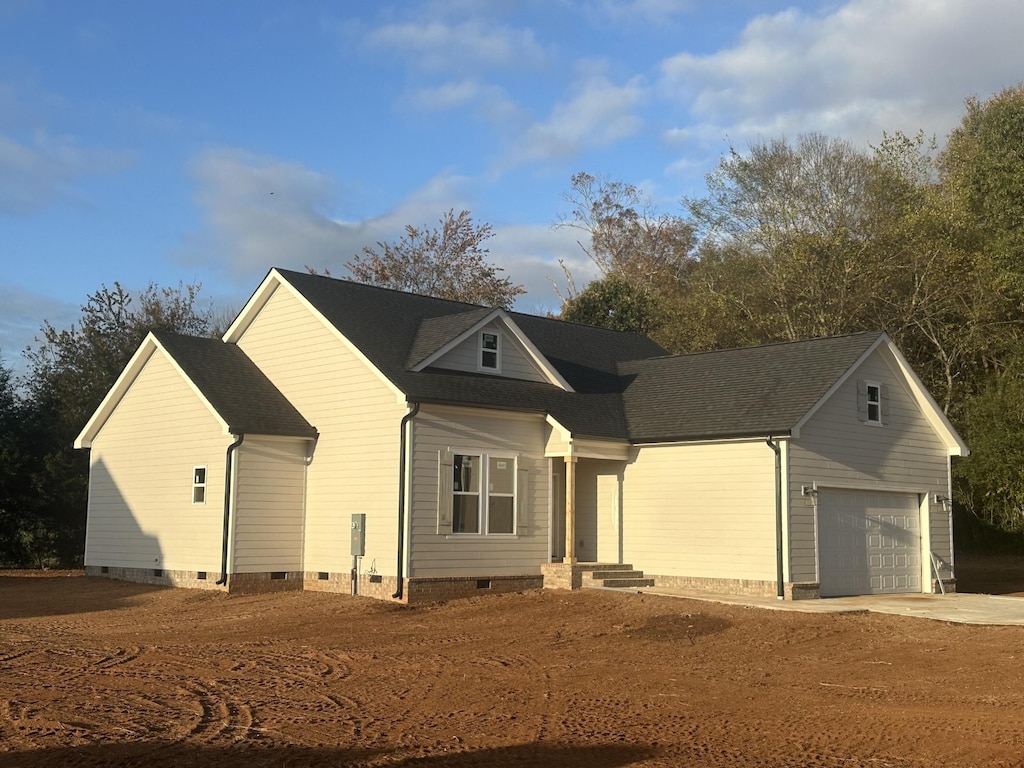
(868, 543)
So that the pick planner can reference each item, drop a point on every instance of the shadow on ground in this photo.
(158, 755)
(30, 594)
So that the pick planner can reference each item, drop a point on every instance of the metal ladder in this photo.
(935, 570)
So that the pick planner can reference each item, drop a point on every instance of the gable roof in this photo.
(736, 392)
(385, 325)
(607, 384)
(237, 393)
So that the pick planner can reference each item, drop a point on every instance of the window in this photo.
(489, 351)
(871, 402)
(199, 485)
(874, 403)
(483, 494)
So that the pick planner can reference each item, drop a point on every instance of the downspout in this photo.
(401, 497)
(780, 589)
(227, 509)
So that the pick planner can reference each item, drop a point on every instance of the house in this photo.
(342, 437)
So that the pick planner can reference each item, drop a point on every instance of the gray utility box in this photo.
(358, 535)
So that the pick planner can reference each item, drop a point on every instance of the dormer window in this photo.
(489, 359)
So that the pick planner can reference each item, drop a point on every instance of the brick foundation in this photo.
(183, 579)
(415, 591)
(751, 587)
(562, 575)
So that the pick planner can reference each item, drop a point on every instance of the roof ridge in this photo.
(770, 344)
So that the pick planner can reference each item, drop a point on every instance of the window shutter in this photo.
(445, 470)
(862, 400)
(522, 496)
(883, 393)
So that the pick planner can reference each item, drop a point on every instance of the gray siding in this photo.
(834, 447)
(465, 429)
(515, 362)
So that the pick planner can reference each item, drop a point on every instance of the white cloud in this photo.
(464, 47)
(598, 115)
(868, 66)
(37, 173)
(490, 102)
(260, 212)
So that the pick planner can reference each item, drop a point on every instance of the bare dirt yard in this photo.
(97, 673)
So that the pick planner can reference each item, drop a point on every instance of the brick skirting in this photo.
(416, 590)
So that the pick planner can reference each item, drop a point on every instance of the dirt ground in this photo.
(96, 673)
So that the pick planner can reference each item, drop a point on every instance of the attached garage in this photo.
(869, 542)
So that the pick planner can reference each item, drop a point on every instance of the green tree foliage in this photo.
(613, 302)
(71, 371)
(448, 261)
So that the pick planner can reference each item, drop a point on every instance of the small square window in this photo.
(199, 485)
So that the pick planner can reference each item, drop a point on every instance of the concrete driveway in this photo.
(962, 608)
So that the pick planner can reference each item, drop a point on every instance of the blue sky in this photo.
(193, 141)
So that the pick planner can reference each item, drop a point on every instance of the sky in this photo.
(190, 142)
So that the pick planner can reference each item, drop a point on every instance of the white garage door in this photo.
(869, 543)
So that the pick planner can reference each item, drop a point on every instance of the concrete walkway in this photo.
(960, 608)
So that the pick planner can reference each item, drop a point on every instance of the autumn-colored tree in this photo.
(448, 261)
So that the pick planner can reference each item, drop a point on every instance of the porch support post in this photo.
(570, 510)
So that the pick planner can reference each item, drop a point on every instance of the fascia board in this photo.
(795, 431)
(929, 408)
(400, 396)
(932, 412)
(253, 306)
(116, 392)
(150, 345)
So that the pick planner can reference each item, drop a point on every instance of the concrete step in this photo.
(629, 583)
(589, 567)
(605, 574)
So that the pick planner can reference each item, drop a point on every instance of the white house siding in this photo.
(466, 429)
(704, 511)
(269, 496)
(515, 362)
(141, 513)
(835, 448)
(354, 468)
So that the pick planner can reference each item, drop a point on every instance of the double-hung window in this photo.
(490, 349)
(871, 405)
(483, 499)
(199, 485)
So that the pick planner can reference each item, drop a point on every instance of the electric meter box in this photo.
(358, 535)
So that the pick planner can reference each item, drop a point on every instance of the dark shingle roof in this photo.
(736, 392)
(238, 390)
(625, 386)
(386, 324)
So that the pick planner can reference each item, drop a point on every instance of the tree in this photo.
(71, 371)
(625, 236)
(612, 302)
(447, 262)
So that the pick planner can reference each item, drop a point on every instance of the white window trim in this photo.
(483, 507)
(195, 484)
(877, 386)
(480, 351)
